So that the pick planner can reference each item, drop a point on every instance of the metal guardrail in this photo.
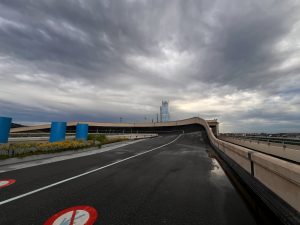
(38, 134)
(279, 150)
(72, 136)
(283, 141)
(33, 139)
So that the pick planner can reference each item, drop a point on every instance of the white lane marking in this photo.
(3, 182)
(53, 159)
(83, 174)
(81, 218)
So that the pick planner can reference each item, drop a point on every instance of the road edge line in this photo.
(86, 173)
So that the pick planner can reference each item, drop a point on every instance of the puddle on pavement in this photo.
(216, 168)
(217, 175)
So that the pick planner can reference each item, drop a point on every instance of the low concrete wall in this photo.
(280, 176)
(283, 178)
(283, 151)
(214, 124)
(34, 139)
(72, 137)
(131, 136)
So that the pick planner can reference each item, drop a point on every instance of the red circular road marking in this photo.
(5, 183)
(77, 215)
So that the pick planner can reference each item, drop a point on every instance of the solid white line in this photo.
(83, 174)
(58, 158)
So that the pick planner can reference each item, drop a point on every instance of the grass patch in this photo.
(98, 137)
(37, 148)
(103, 139)
(27, 149)
(4, 157)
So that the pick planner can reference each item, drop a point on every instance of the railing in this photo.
(283, 141)
(34, 139)
(279, 150)
(72, 136)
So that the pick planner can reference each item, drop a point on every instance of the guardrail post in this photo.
(251, 162)
(82, 131)
(5, 124)
(58, 131)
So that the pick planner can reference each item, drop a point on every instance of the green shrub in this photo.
(35, 148)
(103, 139)
(98, 137)
(25, 149)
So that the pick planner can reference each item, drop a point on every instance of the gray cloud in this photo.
(99, 60)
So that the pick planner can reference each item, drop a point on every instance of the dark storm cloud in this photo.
(99, 58)
(242, 47)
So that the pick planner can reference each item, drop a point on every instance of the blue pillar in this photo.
(82, 131)
(58, 131)
(5, 123)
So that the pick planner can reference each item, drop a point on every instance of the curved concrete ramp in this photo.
(192, 121)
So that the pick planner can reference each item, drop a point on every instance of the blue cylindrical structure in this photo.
(58, 131)
(5, 124)
(82, 131)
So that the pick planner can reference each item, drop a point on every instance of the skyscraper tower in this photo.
(164, 111)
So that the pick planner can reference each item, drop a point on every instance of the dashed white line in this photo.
(83, 174)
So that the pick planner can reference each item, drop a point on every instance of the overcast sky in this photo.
(99, 60)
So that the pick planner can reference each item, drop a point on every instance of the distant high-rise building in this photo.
(164, 111)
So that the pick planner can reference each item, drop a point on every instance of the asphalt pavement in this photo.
(165, 180)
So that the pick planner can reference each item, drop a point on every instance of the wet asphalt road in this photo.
(175, 184)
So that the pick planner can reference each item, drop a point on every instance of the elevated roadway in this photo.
(125, 127)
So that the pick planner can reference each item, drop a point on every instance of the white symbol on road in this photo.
(75, 217)
(3, 182)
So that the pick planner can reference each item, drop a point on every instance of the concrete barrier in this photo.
(280, 176)
(35, 139)
(131, 136)
(72, 137)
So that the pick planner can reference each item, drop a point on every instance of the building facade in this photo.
(164, 111)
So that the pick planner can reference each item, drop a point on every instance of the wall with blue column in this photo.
(5, 124)
(82, 131)
(58, 131)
